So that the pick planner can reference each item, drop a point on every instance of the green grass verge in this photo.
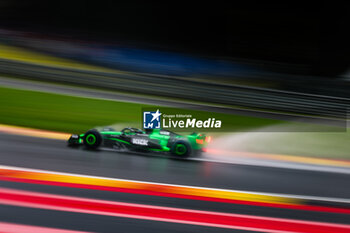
(75, 114)
(62, 113)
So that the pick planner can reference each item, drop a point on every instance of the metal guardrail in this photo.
(235, 95)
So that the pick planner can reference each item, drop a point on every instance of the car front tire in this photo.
(92, 139)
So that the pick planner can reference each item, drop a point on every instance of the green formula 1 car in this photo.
(132, 139)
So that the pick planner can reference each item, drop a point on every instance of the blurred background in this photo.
(278, 73)
(236, 46)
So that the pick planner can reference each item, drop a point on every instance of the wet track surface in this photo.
(53, 155)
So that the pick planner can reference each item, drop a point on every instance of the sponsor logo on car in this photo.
(139, 141)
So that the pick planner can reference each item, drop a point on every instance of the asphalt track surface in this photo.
(53, 155)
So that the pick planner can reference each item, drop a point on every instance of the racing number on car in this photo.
(139, 141)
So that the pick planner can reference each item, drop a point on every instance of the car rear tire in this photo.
(181, 149)
(92, 139)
